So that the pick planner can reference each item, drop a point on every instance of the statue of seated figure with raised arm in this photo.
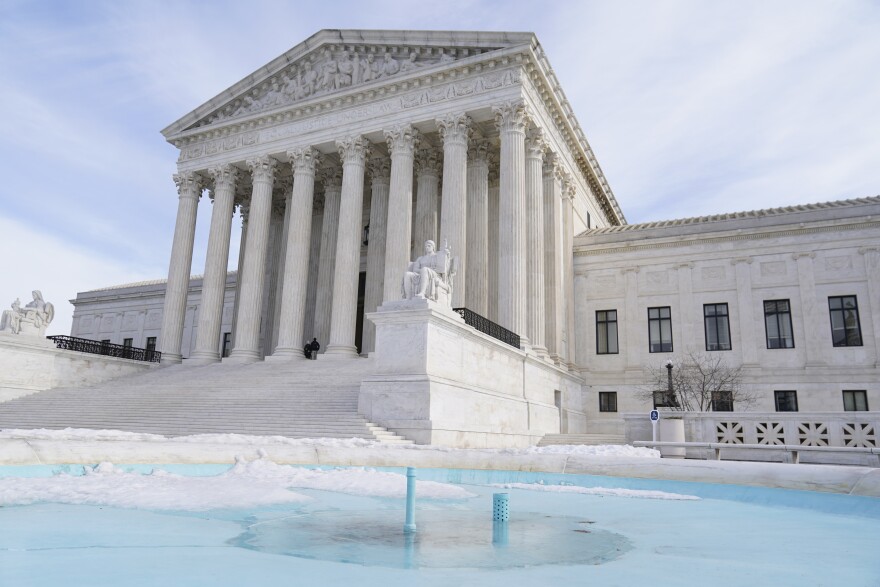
(431, 275)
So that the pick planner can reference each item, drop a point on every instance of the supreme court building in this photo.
(350, 151)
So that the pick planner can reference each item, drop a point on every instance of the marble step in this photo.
(584, 439)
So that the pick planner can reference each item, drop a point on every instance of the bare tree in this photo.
(701, 382)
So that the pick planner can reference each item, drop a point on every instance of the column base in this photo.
(171, 358)
(203, 358)
(284, 355)
(243, 357)
(341, 351)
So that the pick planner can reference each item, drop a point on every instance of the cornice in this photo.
(686, 241)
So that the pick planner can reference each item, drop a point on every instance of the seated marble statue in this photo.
(431, 275)
(33, 319)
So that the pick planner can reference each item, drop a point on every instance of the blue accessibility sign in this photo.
(655, 415)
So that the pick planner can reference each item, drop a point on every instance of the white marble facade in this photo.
(807, 257)
(352, 145)
(348, 152)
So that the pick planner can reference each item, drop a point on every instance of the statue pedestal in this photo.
(439, 381)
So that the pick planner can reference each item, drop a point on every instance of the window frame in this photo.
(659, 320)
(608, 396)
(776, 314)
(714, 319)
(778, 393)
(842, 310)
(226, 347)
(864, 394)
(723, 397)
(607, 323)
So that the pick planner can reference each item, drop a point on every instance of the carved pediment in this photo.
(334, 61)
(326, 71)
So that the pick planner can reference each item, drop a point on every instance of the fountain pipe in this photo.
(410, 524)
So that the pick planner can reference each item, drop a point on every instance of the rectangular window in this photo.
(660, 330)
(128, 342)
(150, 347)
(607, 401)
(606, 332)
(227, 343)
(722, 401)
(845, 327)
(717, 326)
(777, 322)
(786, 401)
(855, 400)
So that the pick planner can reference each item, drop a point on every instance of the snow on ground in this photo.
(80, 434)
(247, 484)
(602, 491)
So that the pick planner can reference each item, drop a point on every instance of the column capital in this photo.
(304, 161)
(738, 260)
(331, 177)
(511, 116)
(568, 187)
(535, 143)
(553, 166)
(803, 254)
(478, 151)
(379, 168)
(262, 168)
(224, 176)
(429, 162)
(626, 270)
(454, 128)
(284, 186)
(189, 184)
(402, 139)
(866, 250)
(354, 149)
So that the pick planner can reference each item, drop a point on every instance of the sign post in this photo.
(655, 417)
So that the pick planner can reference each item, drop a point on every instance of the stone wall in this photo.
(439, 381)
(29, 365)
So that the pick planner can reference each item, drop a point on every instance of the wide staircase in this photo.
(296, 399)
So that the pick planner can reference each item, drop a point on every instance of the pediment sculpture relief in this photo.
(431, 276)
(324, 73)
(31, 320)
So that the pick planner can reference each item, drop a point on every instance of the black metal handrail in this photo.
(486, 326)
(96, 347)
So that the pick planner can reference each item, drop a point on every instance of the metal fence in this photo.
(486, 326)
(96, 347)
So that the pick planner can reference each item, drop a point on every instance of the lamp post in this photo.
(670, 399)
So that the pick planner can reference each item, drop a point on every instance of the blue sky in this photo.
(692, 108)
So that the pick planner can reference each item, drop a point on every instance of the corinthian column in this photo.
(511, 119)
(189, 188)
(568, 268)
(454, 131)
(493, 198)
(380, 175)
(535, 147)
(332, 179)
(247, 325)
(429, 166)
(296, 259)
(477, 294)
(402, 142)
(553, 257)
(343, 319)
(214, 282)
(314, 259)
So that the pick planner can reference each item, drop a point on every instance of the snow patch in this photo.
(601, 491)
(246, 484)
